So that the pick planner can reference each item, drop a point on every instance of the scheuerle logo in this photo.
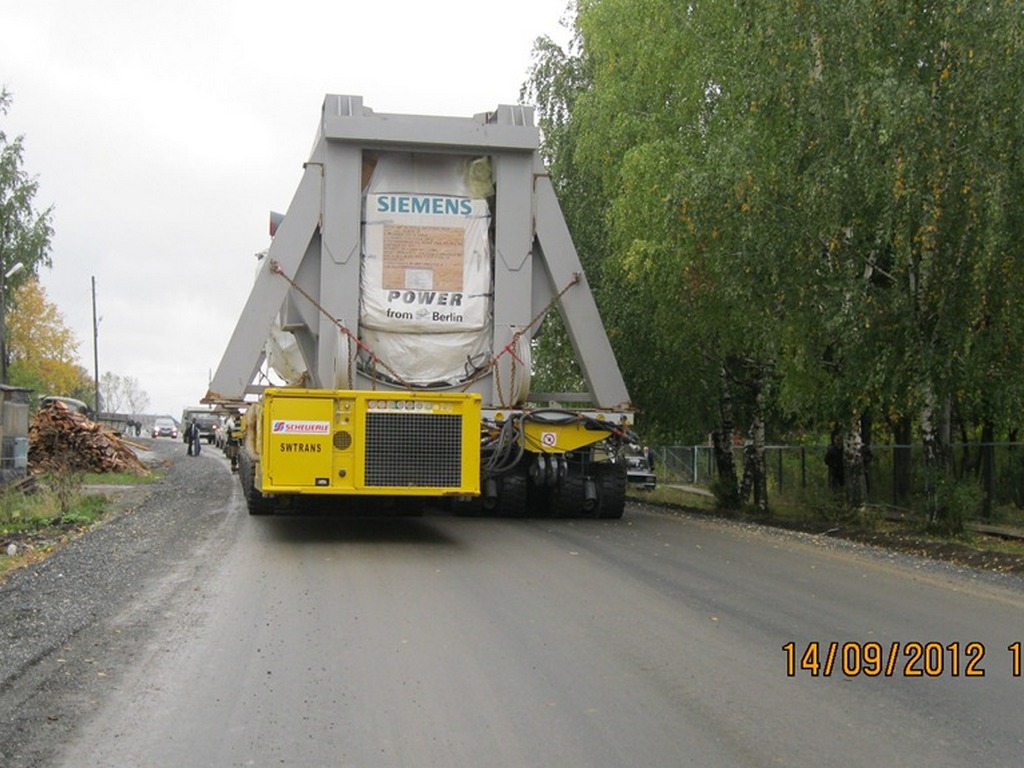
(292, 427)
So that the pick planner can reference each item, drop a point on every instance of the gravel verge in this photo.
(68, 624)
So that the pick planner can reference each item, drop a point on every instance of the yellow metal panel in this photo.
(559, 438)
(343, 477)
(371, 443)
(404, 453)
(297, 441)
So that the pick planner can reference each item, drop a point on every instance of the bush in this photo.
(65, 488)
(954, 503)
(86, 510)
(57, 500)
(727, 493)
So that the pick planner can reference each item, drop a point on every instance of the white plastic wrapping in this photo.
(342, 352)
(425, 307)
(423, 359)
(283, 355)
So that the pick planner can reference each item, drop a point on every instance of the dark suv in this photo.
(208, 423)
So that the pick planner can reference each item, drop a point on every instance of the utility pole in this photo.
(95, 347)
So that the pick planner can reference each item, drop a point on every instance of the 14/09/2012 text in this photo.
(910, 659)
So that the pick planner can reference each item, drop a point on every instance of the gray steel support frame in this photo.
(317, 245)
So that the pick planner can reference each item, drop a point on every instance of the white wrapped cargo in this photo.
(283, 355)
(426, 272)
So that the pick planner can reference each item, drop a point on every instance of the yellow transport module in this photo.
(314, 441)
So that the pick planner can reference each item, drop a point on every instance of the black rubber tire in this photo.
(513, 494)
(611, 490)
(568, 498)
(257, 503)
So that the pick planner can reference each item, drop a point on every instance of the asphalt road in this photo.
(657, 640)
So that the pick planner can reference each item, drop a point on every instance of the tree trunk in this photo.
(853, 466)
(988, 462)
(747, 483)
(1018, 464)
(902, 485)
(722, 442)
(758, 466)
(934, 453)
(866, 425)
(929, 444)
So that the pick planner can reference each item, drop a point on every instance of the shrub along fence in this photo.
(992, 474)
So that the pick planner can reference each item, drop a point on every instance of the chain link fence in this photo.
(896, 474)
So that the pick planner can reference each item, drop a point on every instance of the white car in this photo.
(165, 427)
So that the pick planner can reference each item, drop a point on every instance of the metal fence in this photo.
(896, 474)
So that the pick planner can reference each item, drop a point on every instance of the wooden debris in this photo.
(61, 440)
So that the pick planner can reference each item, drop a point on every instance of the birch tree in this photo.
(817, 204)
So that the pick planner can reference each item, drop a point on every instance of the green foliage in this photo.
(12, 509)
(120, 478)
(726, 492)
(557, 80)
(59, 501)
(86, 510)
(24, 234)
(953, 503)
(41, 519)
(554, 360)
(64, 488)
(826, 194)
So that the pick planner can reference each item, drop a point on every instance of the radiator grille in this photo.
(411, 450)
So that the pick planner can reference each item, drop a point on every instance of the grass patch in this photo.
(988, 543)
(53, 508)
(51, 504)
(673, 496)
(120, 478)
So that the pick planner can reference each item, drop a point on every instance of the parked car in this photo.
(69, 402)
(164, 426)
(640, 467)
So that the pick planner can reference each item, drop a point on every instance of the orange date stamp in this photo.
(896, 659)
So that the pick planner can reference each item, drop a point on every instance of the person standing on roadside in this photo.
(835, 461)
(192, 437)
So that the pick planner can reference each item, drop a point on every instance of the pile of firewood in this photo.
(61, 440)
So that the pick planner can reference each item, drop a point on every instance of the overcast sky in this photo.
(163, 133)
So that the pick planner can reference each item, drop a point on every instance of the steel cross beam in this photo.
(318, 247)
